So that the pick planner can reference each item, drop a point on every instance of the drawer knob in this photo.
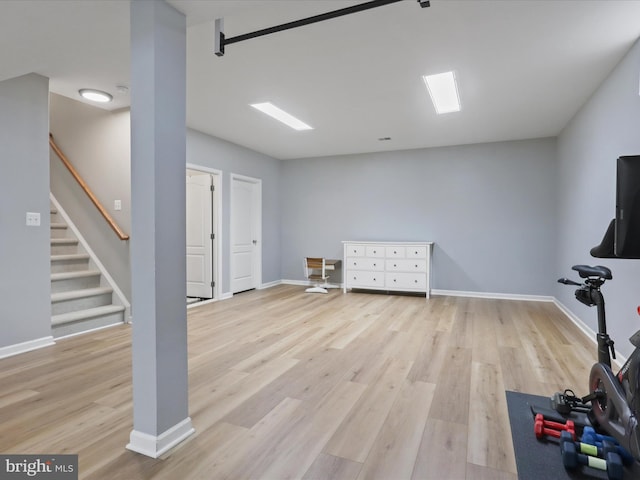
(374, 279)
(394, 280)
(395, 265)
(416, 252)
(394, 252)
(415, 281)
(375, 251)
(416, 266)
(374, 264)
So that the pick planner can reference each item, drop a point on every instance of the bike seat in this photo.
(586, 271)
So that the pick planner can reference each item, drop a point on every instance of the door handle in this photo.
(255, 242)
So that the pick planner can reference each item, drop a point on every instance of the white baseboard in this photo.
(584, 328)
(493, 296)
(270, 284)
(23, 347)
(301, 283)
(154, 446)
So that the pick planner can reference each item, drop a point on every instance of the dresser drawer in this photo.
(405, 265)
(375, 251)
(355, 250)
(416, 252)
(365, 263)
(394, 252)
(365, 279)
(406, 281)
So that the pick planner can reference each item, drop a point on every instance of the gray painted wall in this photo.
(25, 287)
(207, 151)
(490, 209)
(98, 144)
(607, 126)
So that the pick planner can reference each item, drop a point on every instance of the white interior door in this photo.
(246, 259)
(199, 236)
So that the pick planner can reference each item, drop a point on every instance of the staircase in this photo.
(81, 299)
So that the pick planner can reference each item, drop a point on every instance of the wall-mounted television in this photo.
(627, 233)
(622, 239)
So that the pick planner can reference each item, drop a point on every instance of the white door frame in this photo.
(258, 227)
(216, 176)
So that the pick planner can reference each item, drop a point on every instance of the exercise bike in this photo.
(615, 399)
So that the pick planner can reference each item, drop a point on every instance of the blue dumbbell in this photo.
(571, 459)
(590, 436)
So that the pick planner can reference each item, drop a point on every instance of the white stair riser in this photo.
(70, 265)
(88, 324)
(64, 249)
(76, 304)
(69, 284)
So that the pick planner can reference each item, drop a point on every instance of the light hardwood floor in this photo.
(285, 384)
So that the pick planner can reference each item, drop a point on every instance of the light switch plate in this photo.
(33, 219)
(117, 204)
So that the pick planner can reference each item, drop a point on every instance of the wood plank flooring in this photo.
(285, 384)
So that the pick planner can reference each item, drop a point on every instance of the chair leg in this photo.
(316, 289)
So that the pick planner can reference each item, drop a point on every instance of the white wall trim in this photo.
(23, 347)
(122, 300)
(275, 283)
(455, 293)
(619, 360)
(154, 446)
(494, 296)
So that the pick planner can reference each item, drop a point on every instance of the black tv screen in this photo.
(627, 225)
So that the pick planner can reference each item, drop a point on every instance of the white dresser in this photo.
(393, 266)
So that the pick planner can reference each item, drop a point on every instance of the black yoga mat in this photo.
(538, 459)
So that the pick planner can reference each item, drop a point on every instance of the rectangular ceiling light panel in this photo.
(282, 116)
(443, 91)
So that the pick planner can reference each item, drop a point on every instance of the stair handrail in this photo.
(112, 223)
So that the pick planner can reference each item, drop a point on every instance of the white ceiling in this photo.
(524, 67)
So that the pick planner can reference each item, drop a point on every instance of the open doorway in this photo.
(202, 234)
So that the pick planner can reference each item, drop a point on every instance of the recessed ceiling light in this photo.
(443, 91)
(273, 111)
(95, 95)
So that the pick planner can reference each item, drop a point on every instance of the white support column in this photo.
(158, 262)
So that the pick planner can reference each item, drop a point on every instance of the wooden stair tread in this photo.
(85, 314)
(77, 274)
(70, 256)
(64, 241)
(82, 293)
(60, 226)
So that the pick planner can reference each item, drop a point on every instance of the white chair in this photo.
(314, 269)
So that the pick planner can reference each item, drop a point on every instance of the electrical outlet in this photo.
(117, 204)
(33, 219)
